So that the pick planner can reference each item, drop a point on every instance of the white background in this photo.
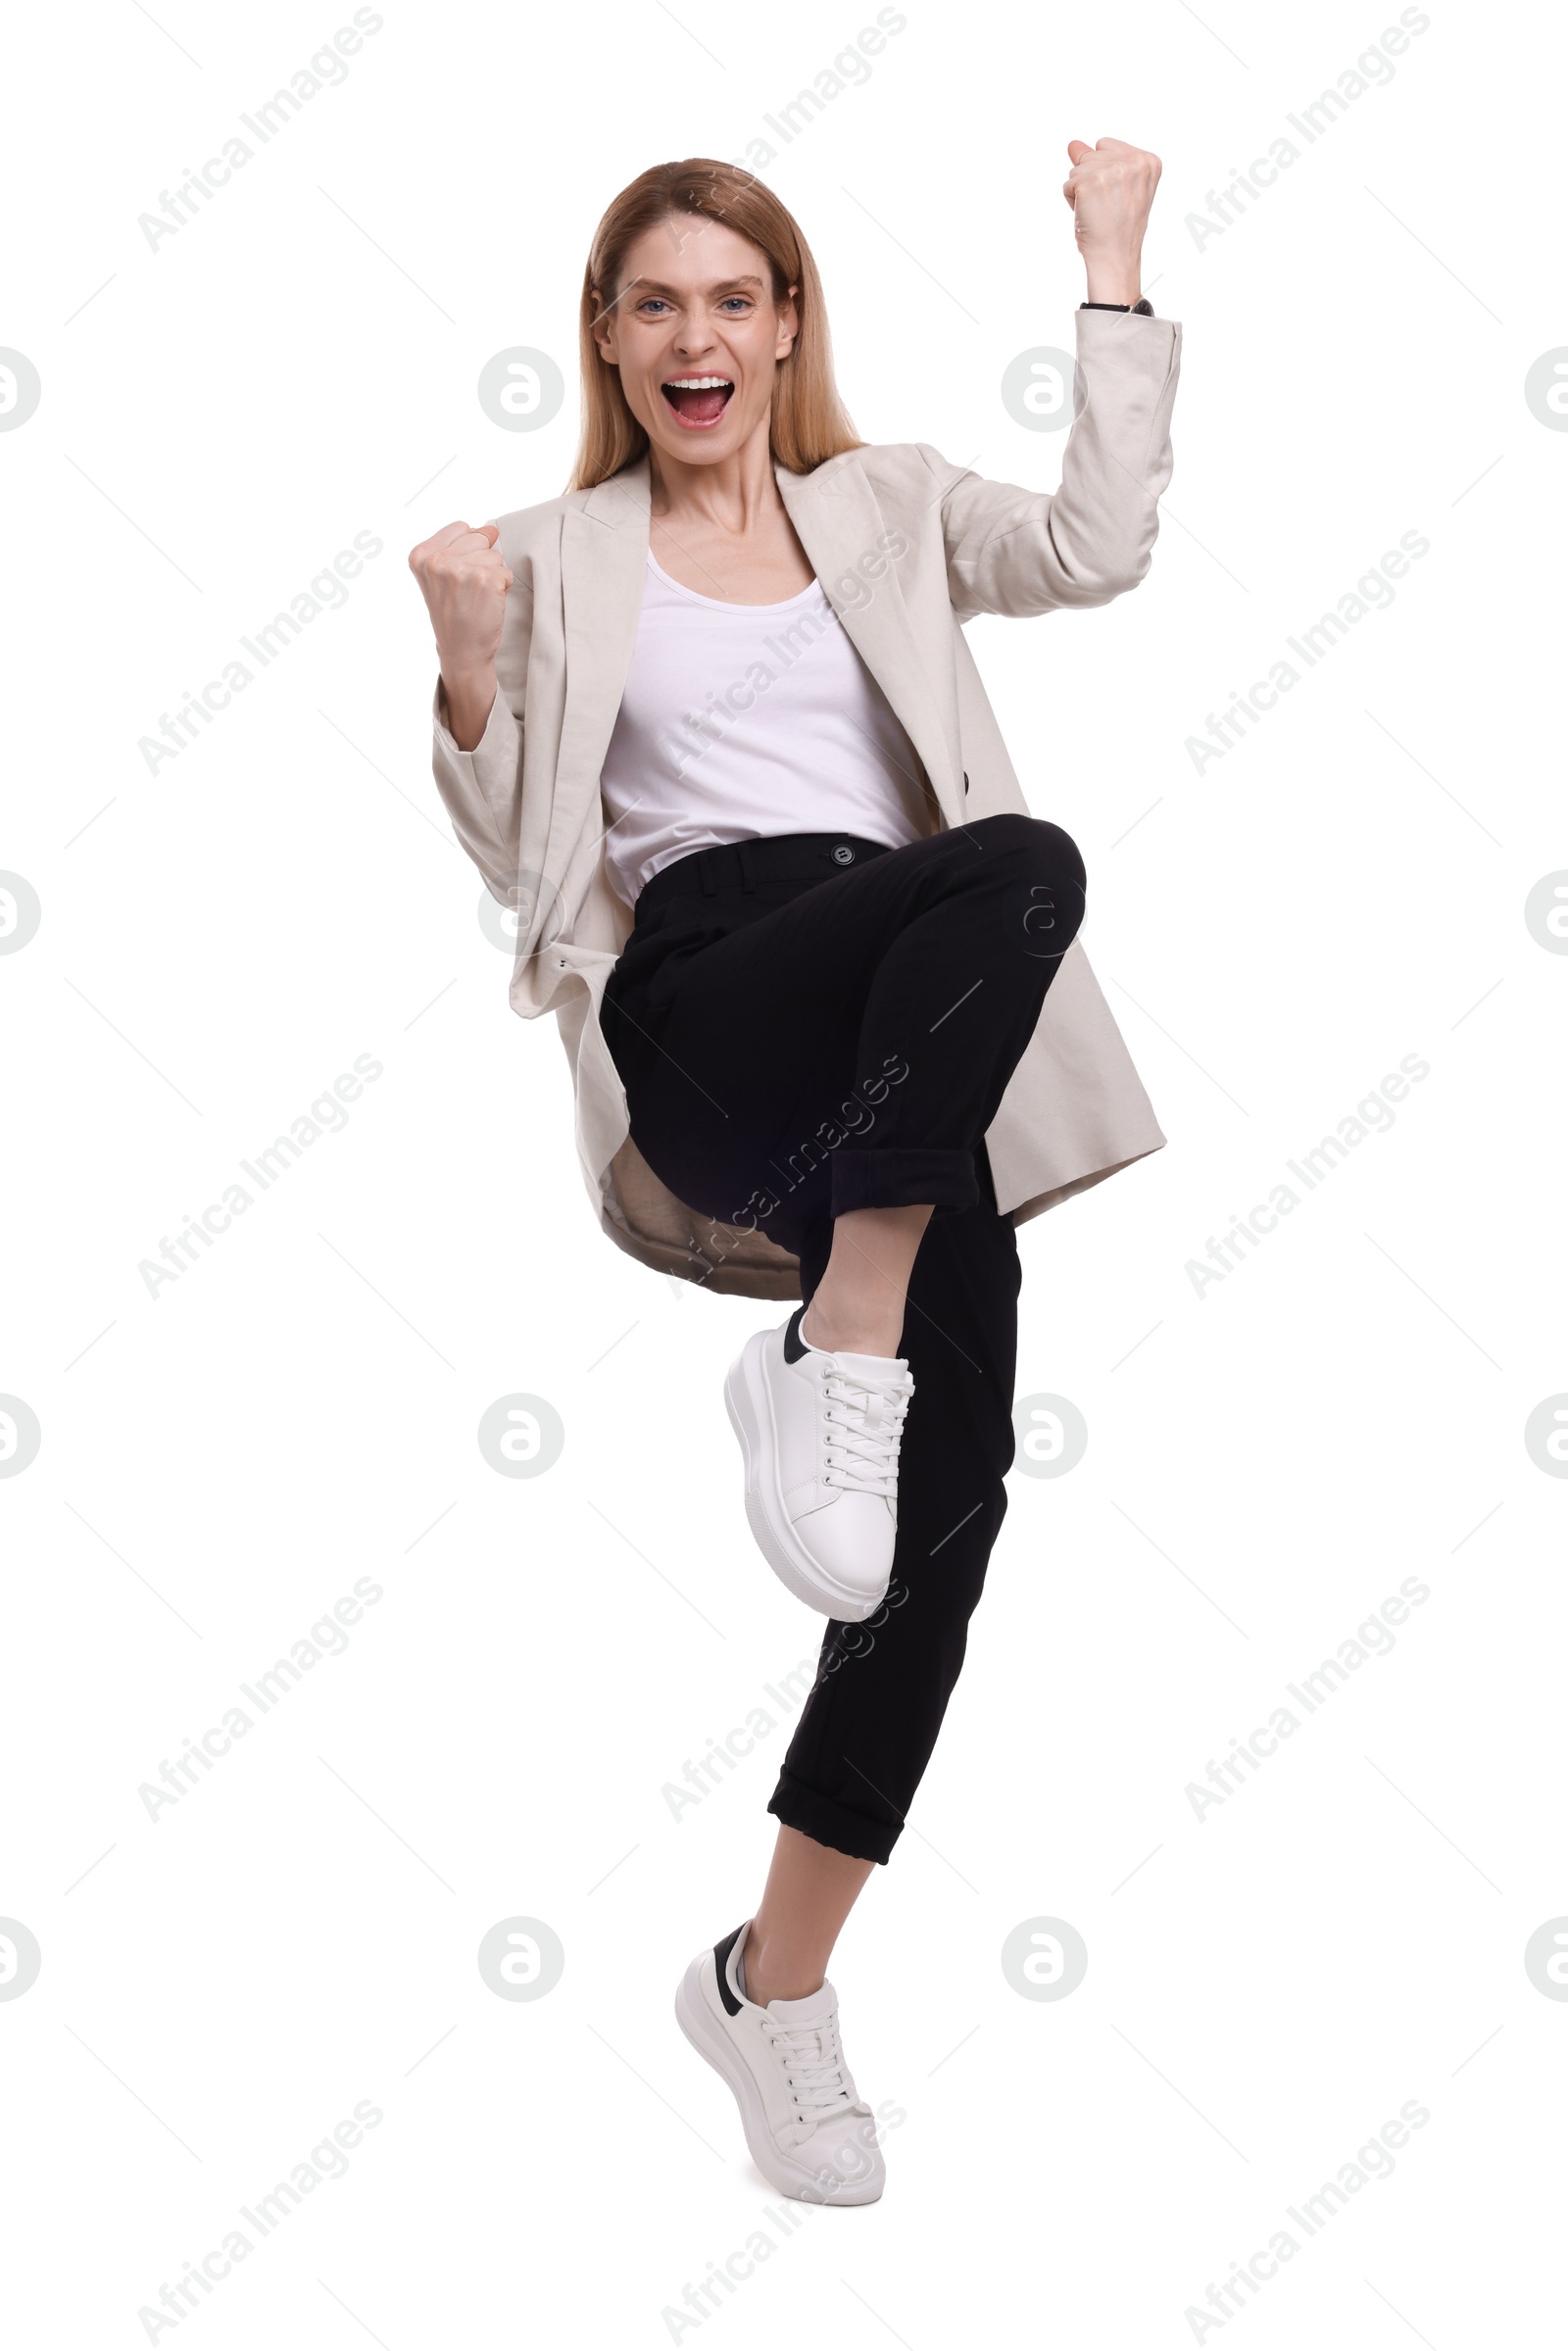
(1266, 1463)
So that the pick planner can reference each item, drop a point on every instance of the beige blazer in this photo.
(908, 547)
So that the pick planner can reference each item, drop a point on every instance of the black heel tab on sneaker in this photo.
(722, 1952)
(794, 1344)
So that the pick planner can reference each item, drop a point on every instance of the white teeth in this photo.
(697, 383)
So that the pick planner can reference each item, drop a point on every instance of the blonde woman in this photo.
(708, 724)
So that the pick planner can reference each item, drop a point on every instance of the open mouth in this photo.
(699, 400)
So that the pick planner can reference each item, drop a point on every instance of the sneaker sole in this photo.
(708, 2039)
(751, 1413)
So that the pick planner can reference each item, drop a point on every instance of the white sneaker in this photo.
(810, 2133)
(821, 1436)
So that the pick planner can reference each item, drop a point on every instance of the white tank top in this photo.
(741, 721)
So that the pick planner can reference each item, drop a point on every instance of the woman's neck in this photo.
(731, 497)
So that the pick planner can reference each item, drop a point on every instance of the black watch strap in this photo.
(1142, 309)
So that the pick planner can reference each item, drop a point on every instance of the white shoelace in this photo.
(814, 2067)
(865, 1426)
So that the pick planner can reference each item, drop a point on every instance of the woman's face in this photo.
(697, 337)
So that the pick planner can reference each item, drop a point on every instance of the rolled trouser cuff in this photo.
(903, 1179)
(828, 1823)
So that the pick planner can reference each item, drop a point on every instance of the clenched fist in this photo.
(1110, 188)
(463, 577)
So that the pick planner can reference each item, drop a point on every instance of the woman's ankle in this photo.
(849, 1334)
(783, 1978)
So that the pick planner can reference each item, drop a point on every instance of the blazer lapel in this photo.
(839, 523)
(604, 558)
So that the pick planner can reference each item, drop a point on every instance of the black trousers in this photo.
(818, 1023)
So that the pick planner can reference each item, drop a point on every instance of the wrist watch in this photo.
(1142, 309)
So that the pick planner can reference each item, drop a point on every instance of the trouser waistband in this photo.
(747, 865)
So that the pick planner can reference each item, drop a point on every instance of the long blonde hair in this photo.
(808, 421)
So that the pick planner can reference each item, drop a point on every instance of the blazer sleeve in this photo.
(482, 788)
(1016, 551)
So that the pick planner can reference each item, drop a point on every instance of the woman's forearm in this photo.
(468, 695)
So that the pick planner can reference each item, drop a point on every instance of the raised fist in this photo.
(1110, 188)
(463, 577)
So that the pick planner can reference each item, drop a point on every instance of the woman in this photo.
(708, 724)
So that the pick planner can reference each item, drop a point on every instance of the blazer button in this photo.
(967, 783)
(843, 855)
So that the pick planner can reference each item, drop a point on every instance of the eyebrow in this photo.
(656, 285)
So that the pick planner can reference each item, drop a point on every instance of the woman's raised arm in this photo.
(478, 737)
